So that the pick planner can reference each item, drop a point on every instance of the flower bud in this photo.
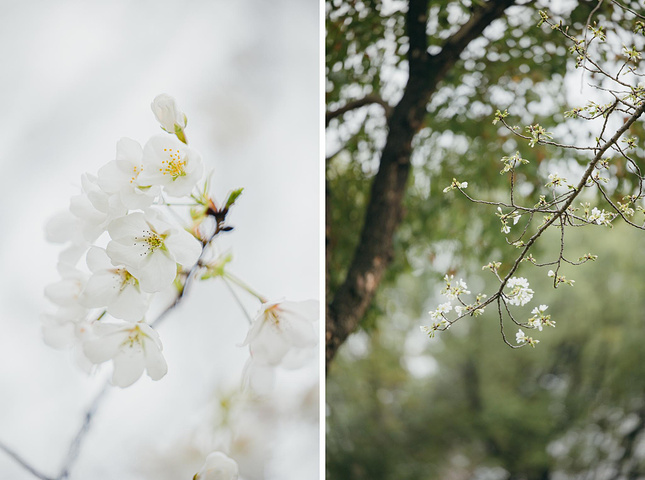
(168, 114)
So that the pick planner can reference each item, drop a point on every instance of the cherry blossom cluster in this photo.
(559, 206)
(516, 291)
(123, 249)
(125, 245)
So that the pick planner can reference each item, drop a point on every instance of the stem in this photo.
(237, 300)
(244, 286)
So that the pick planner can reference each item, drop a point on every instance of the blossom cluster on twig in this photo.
(557, 206)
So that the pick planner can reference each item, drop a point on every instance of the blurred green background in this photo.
(463, 405)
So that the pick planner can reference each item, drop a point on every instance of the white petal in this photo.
(101, 289)
(130, 304)
(259, 376)
(62, 227)
(155, 362)
(156, 273)
(99, 350)
(65, 292)
(97, 259)
(270, 347)
(218, 466)
(128, 366)
(185, 248)
(57, 335)
(124, 228)
(82, 208)
(68, 258)
(158, 222)
(132, 255)
(111, 178)
(138, 198)
(129, 150)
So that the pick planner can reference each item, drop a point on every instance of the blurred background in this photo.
(465, 406)
(76, 77)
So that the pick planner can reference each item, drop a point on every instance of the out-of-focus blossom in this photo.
(281, 329)
(218, 466)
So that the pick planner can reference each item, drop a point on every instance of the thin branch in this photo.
(23, 463)
(620, 5)
(354, 104)
(75, 446)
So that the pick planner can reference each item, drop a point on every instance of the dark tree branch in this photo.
(385, 209)
(354, 104)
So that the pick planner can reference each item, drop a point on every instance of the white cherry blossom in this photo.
(281, 329)
(66, 291)
(64, 227)
(132, 348)
(521, 338)
(121, 176)
(441, 309)
(218, 466)
(171, 164)
(114, 288)
(66, 328)
(151, 248)
(95, 208)
(520, 293)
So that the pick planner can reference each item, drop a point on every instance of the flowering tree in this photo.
(465, 63)
(136, 238)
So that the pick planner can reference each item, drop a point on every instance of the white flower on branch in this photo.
(453, 289)
(95, 208)
(66, 291)
(558, 279)
(512, 161)
(114, 288)
(121, 176)
(522, 338)
(151, 248)
(132, 349)
(520, 293)
(556, 180)
(540, 318)
(455, 184)
(218, 466)
(600, 217)
(441, 309)
(171, 164)
(281, 330)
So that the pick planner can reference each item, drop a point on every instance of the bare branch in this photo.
(354, 104)
(23, 463)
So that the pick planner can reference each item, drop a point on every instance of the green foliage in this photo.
(486, 407)
(516, 65)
